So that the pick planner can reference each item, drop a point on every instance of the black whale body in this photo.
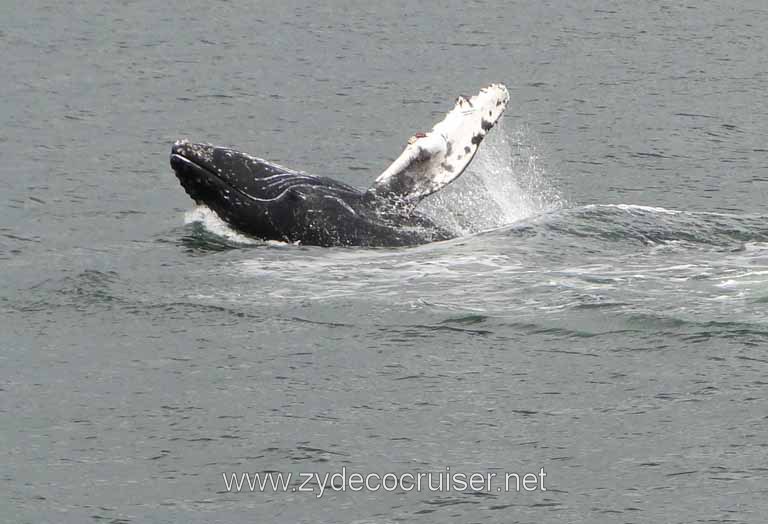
(268, 201)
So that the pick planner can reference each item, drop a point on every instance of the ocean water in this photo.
(602, 315)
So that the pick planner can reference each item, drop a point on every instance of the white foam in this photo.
(204, 216)
(632, 207)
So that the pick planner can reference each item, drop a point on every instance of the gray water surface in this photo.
(602, 316)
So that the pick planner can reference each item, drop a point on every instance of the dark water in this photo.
(605, 317)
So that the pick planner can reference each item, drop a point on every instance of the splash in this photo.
(505, 183)
(214, 225)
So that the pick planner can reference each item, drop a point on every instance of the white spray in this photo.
(505, 183)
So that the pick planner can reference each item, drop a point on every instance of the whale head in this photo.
(257, 197)
(218, 177)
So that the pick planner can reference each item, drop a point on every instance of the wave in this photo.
(649, 226)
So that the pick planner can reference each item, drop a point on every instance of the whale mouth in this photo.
(198, 157)
(197, 160)
(193, 166)
(182, 164)
(191, 175)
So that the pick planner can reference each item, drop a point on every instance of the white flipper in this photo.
(433, 160)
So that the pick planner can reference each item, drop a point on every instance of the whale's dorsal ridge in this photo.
(433, 160)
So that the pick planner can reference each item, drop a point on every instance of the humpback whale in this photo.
(271, 202)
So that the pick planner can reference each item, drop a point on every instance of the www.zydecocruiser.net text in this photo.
(345, 481)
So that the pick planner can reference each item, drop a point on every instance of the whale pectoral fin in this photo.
(416, 173)
(433, 160)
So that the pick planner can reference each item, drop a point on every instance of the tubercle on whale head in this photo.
(180, 146)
